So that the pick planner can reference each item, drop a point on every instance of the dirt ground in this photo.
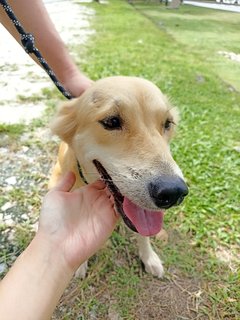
(176, 296)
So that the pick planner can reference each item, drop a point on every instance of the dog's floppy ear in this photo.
(64, 124)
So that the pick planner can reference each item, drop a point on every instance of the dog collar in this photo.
(81, 173)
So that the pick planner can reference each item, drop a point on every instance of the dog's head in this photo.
(120, 129)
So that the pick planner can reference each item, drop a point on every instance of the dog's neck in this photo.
(81, 173)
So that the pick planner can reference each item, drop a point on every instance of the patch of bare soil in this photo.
(25, 165)
(177, 298)
(180, 295)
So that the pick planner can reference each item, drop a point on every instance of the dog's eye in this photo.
(168, 124)
(112, 123)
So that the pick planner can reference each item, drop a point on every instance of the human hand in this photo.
(77, 223)
(76, 83)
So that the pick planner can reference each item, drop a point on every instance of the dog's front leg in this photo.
(82, 270)
(151, 260)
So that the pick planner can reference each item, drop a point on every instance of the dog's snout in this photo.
(167, 191)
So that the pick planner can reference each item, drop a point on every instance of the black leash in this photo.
(27, 40)
(81, 173)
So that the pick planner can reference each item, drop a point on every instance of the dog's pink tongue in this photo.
(147, 223)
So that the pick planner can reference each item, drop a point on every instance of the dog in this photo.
(119, 130)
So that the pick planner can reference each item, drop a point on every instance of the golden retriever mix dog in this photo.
(119, 130)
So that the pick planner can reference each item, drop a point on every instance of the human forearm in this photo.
(34, 17)
(72, 227)
(35, 283)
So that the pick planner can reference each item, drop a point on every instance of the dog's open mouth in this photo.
(146, 222)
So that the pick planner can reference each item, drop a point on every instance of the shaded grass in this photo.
(203, 31)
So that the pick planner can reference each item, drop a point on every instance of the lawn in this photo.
(177, 50)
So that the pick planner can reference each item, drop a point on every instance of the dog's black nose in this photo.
(167, 191)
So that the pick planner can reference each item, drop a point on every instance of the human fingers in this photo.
(99, 185)
(66, 183)
(78, 83)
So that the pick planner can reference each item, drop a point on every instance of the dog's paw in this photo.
(82, 270)
(153, 264)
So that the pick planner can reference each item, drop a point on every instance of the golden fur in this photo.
(130, 155)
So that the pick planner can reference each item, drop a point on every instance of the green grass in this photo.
(177, 50)
(12, 130)
(204, 32)
(210, 117)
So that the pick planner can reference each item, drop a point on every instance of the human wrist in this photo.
(35, 282)
(75, 81)
(49, 251)
(58, 251)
